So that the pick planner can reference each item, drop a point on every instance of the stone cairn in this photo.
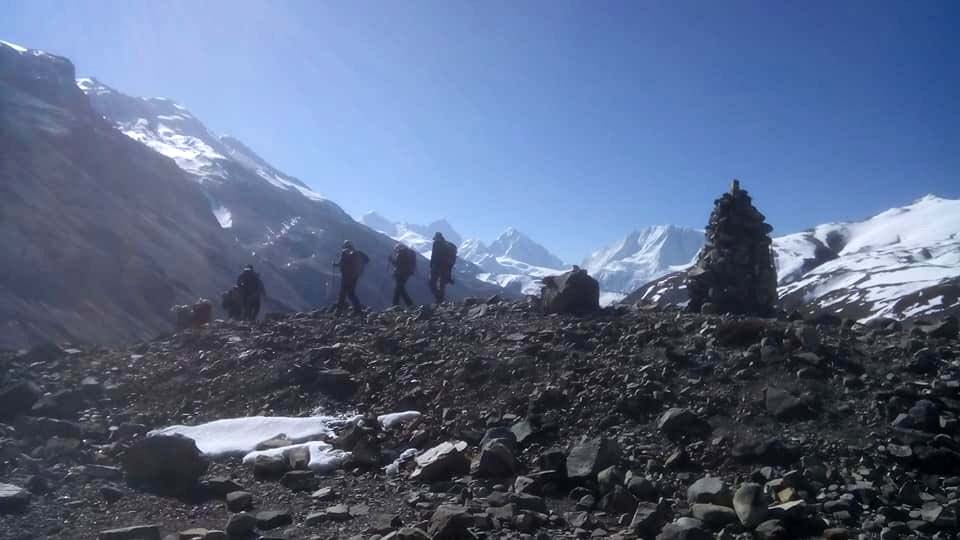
(734, 272)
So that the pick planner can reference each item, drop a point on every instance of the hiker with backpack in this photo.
(251, 290)
(404, 262)
(442, 259)
(351, 263)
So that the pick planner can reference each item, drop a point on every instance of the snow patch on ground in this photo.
(236, 436)
(392, 420)
(224, 217)
(609, 298)
(323, 457)
(241, 436)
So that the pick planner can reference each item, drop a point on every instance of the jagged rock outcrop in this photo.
(734, 272)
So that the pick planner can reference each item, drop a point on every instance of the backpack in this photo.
(361, 260)
(451, 253)
(248, 282)
(406, 261)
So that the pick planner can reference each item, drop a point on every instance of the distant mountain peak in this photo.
(642, 256)
(513, 244)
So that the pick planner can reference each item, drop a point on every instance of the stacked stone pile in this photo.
(734, 272)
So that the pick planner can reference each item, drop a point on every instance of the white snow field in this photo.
(878, 261)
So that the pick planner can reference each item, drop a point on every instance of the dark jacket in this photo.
(352, 262)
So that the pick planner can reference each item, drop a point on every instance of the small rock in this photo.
(784, 406)
(338, 513)
(589, 457)
(750, 504)
(495, 461)
(714, 516)
(683, 423)
(710, 490)
(111, 494)
(608, 478)
(268, 467)
(324, 494)
(647, 519)
(241, 525)
(300, 481)
(238, 501)
(13, 498)
(442, 462)
(836, 534)
(221, 486)
(272, 519)
(641, 488)
(449, 523)
(772, 529)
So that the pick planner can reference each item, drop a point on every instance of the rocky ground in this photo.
(624, 424)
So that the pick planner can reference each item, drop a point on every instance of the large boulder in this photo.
(165, 463)
(574, 292)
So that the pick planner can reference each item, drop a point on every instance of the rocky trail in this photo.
(629, 423)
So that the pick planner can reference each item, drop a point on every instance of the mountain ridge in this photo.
(903, 262)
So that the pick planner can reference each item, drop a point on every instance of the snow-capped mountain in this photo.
(276, 217)
(642, 256)
(514, 245)
(901, 263)
(512, 261)
(418, 237)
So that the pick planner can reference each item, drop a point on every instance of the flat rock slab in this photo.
(272, 519)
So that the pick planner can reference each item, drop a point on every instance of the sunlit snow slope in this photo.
(642, 256)
(901, 263)
(274, 216)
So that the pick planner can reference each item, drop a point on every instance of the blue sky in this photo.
(575, 122)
